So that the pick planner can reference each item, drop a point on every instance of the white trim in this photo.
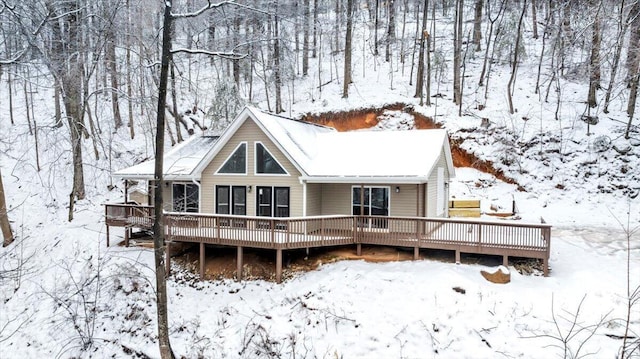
(255, 162)
(304, 199)
(365, 180)
(246, 161)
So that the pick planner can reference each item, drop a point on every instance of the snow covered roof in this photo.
(179, 163)
(320, 153)
(376, 156)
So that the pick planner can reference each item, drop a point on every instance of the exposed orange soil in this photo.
(367, 118)
(221, 262)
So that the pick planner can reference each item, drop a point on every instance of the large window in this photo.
(231, 200)
(186, 197)
(266, 163)
(374, 201)
(272, 201)
(237, 162)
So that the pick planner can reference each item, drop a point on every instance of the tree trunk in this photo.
(391, 29)
(315, 29)
(276, 62)
(158, 225)
(56, 99)
(305, 39)
(423, 38)
(132, 132)
(375, 29)
(631, 107)
(347, 51)
(113, 75)
(7, 234)
(477, 25)
(633, 51)
(594, 61)
(457, 51)
(622, 30)
(534, 18)
(514, 65)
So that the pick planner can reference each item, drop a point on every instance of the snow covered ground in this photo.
(63, 293)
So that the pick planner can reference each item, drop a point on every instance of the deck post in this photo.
(547, 240)
(457, 256)
(359, 249)
(127, 233)
(239, 263)
(202, 259)
(416, 253)
(279, 265)
(505, 260)
(106, 222)
(167, 258)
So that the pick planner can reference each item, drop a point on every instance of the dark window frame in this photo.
(189, 203)
(232, 161)
(265, 163)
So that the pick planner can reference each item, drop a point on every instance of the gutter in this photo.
(365, 179)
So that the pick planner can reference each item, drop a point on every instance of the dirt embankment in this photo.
(367, 118)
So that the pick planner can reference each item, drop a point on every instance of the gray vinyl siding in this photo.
(250, 133)
(314, 199)
(336, 199)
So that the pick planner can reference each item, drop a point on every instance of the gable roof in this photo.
(319, 153)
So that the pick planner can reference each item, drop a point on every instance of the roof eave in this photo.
(366, 179)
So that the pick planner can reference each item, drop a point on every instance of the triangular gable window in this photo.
(237, 162)
(266, 163)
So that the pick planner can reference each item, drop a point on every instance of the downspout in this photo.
(304, 198)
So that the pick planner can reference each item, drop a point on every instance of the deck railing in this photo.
(129, 214)
(506, 238)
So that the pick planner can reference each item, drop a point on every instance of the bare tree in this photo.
(514, 63)
(159, 247)
(347, 50)
(423, 38)
(623, 25)
(7, 234)
(457, 51)
(477, 24)
(391, 29)
(594, 61)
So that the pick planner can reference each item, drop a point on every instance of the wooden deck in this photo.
(502, 238)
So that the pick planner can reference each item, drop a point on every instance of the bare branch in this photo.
(223, 54)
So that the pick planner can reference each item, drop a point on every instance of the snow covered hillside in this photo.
(64, 294)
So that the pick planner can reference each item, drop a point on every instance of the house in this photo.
(276, 183)
(268, 165)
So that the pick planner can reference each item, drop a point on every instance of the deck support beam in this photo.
(416, 253)
(240, 264)
(505, 260)
(127, 234)
(167, 258)
(359, 249)
(545, 266)
(457, 256)
(202, 259)
(107, 235)
(279, 265)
